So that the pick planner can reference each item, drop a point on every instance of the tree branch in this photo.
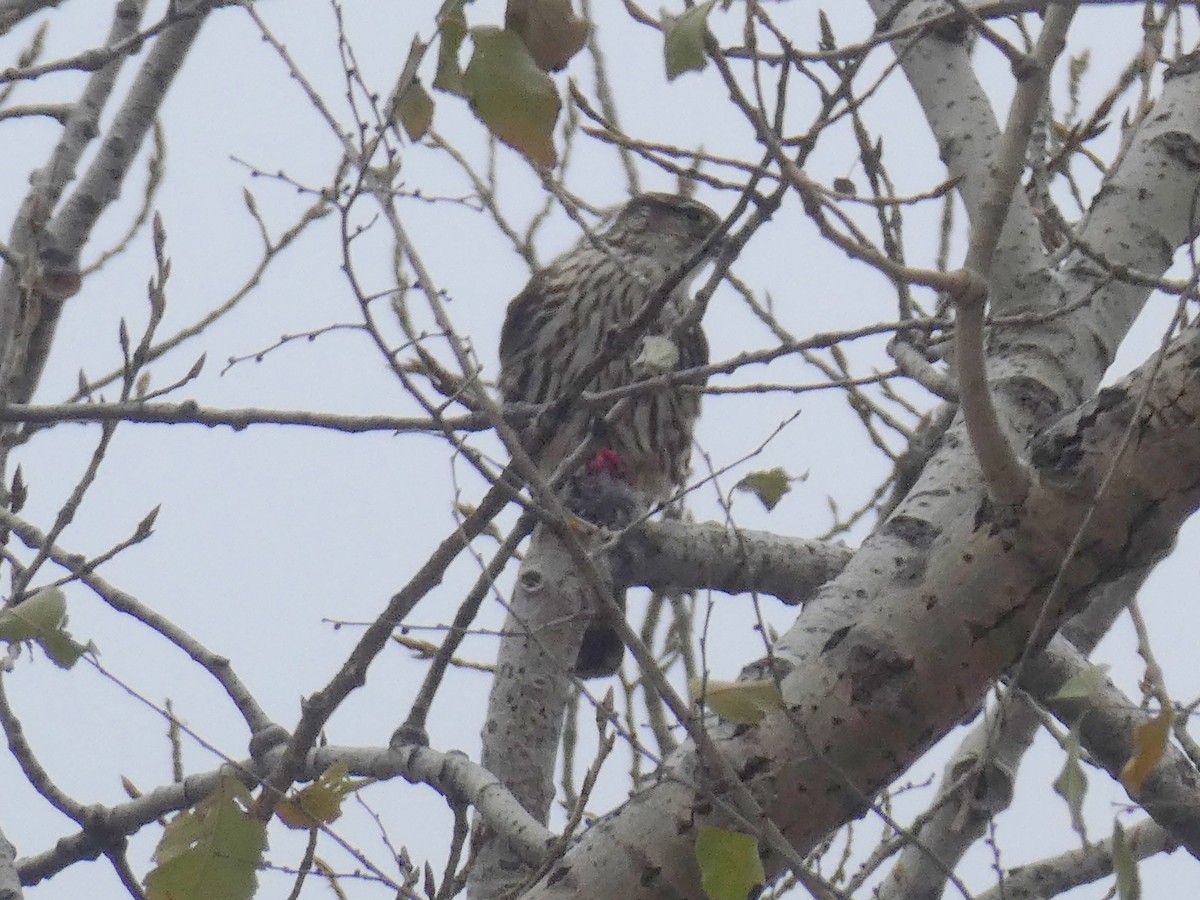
(923, 653)
(1006, 478)
(10, 881)
(690, 556)
(450, 773)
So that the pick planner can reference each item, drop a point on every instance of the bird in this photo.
(561, 323)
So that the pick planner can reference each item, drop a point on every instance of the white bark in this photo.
(980, 780)
(1055, 876)
(549, 611)
(867, 699)
(708, 555)
(10, 883)
(942, 599)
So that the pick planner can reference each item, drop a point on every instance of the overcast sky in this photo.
(265, 534)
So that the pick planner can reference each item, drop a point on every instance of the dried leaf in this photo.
(320, 802)
(549, 28)
(414, 111)
(1149, 744)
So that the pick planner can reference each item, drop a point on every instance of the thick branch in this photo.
(667, 555)
(1107, 720)
(968, 135)
(866, 701)
(10, 882)
(1005, 476)
(99, 186)
(550, 608)
(980, 779)
(26, 239)
(1057, 875)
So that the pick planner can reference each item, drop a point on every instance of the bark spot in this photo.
(650, 875)
(1034, 397)
(917, 533)
(874, 668)
(1181, 147)
(836, 638)
(910, 569)
(755, 765)
(767, 668)
(1184, 65)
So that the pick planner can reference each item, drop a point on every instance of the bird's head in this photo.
(663, 224)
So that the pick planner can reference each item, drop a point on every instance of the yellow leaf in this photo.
(741, 702)
(1149, 743)
(318, 804)
(768, 485)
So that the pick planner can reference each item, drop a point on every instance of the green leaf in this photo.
(768, 486)
(414, 111)
(1129, 886)
(729, 864)
(1082, 685)
(63, 650)
(1071, 783)
(44, 612)
(212, 850)
(511, 95)
(741, 702)
(683, 40)
(43, 619)
(452, 28)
